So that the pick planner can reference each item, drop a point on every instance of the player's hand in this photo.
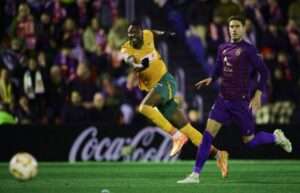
(130, 60)
(255, 102)
(132, 81)
(171, 34)
(204, 82)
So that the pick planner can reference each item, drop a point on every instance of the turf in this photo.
(93, 177)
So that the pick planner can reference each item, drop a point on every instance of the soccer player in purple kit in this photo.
(236, 62)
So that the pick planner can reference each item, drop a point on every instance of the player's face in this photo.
(135, 36)
(236, 30)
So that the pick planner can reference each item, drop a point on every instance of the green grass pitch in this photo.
(279, 176)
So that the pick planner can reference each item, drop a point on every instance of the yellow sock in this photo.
(157, 118)
(193, 134)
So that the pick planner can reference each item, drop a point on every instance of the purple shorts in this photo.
(237, 111)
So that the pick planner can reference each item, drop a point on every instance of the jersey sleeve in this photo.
(125, 51)
(148, 38)
(259, 66)
(217, 70)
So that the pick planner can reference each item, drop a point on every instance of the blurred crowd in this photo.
(60, 60)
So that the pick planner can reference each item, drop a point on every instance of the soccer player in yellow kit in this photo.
(159, 105)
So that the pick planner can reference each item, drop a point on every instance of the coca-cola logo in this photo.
(149, 144)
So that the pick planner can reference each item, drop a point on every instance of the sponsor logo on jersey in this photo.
(238, 51)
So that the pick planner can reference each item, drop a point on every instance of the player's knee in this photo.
(140, 108)
(143, 107)
(247, 139)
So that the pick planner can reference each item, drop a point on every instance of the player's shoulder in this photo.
(147, 32)
(125, 46)
(249, 46)
(251, 49)
(223, 46)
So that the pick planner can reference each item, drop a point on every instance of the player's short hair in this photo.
(135, 23)
(239, 18)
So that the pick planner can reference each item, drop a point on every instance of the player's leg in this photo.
(212, 128)
(217, 117)
(159, 95)
(244, 118)
(149, 110)
(178, 119)
(262, 138)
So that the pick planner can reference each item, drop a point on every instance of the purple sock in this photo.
(260, 139)
(203, 152)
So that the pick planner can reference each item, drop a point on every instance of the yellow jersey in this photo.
(150, 76)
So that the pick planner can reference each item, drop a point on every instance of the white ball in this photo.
(23, 166)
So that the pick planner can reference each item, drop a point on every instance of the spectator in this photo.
(23, 26)
(294, 12)
(45, 32)
(6, 91)
(116, 37)
(275, 38)
(82, 13)
(66, 61)
(72, 36)
(94, 38)
(34, 87)
(36, 5)
(282, 79)
(95, 41)
(73, 112)
(217, 34)
(6, 98)
(24, 112)
(106, 12)
(84, 84)
(253, 12)
(13, 60)
(57, 94)
(110, 91)
(272, 12)
(225, 9)
(199, 20)
(55, 10)
(100, 111)
(250, 32)
(294, 36)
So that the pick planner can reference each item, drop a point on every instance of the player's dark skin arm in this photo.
(159, 33)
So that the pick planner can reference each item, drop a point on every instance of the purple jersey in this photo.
(237, 64)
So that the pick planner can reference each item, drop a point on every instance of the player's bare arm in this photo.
(163, 33)
(204, 82)
(255, 102)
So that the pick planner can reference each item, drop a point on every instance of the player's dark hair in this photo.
(136, 24)
(239, 18)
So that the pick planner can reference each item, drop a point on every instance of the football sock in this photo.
(203, 152)
(157, 118)
(260, 139)
(196, 137)
(193, 134)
